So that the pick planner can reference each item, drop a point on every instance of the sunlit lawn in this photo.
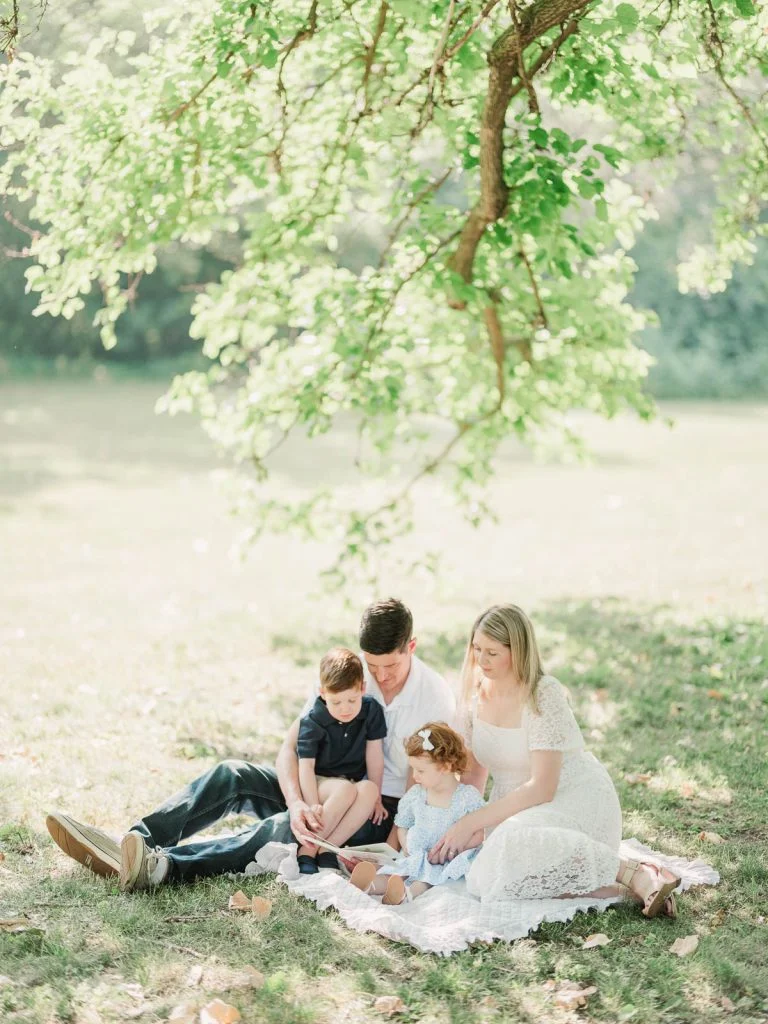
(134, 652)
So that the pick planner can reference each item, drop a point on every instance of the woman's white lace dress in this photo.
(569, 845)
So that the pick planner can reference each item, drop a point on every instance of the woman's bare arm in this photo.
(546, 766)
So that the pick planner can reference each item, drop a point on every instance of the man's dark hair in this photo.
(386, 626)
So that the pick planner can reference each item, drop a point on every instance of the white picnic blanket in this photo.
(447, 919)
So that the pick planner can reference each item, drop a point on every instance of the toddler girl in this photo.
(436, 756)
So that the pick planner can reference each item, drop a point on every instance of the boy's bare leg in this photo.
(366, 795)
(336, 796)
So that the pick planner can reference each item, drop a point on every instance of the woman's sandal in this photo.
(660, 900)
(363, 875)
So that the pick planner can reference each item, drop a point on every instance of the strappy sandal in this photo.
(659, 900)
(363, 875)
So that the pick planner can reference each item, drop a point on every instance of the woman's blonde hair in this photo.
(508, 625)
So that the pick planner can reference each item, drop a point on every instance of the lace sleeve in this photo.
(554, 727)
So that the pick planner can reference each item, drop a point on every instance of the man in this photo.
(410, 694)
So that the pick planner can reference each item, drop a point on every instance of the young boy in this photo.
(341, 757)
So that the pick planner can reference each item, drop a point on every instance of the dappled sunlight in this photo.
(138, 655)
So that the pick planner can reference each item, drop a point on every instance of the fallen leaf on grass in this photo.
(682, 947)
(716, 694)
(569, 995)
(727, 1005)
(261, 907)
(258, 906)
(389, 1005)
(710, 837)
(2, 856)
(239, 901)
(598, 939)
(638, 778)
(184, 1013)
(219, 1012)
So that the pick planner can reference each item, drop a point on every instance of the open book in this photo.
(377, 853)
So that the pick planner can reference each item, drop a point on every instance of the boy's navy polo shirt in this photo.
(339, 747)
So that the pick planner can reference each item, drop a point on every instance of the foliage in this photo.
(498, 301)
(706, 346)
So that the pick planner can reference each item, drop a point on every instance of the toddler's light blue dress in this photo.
(426, 825)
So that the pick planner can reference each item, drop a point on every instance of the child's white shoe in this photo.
(363, 875)
(397, 892)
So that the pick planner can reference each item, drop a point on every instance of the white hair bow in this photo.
(425, 740)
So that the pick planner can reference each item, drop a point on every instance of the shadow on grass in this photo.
(678, 715)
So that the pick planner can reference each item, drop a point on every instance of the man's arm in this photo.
(287, 765)
(374, 769)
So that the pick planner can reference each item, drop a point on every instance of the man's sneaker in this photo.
(141, 866)
(86, 844)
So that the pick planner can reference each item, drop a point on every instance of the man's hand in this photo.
(379, 813)
(303, 819)
(461, 836)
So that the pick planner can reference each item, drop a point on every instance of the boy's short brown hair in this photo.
(449, 749)
(340, 670)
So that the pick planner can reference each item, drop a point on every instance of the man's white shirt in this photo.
(426, 697)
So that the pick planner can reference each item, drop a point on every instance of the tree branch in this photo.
(543, 322)
(433, 186)
(504, 60)
(533, 101)
(714, 45)
(370, 53)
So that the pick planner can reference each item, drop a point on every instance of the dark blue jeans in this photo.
(231, 787)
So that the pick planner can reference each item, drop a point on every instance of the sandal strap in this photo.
(628, 872)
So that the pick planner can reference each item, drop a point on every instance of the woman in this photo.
(553, 823)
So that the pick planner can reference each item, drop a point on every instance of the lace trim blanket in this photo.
(447, 919)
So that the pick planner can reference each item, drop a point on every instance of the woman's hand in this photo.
(458, 838)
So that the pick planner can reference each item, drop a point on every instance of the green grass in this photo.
(134, 653)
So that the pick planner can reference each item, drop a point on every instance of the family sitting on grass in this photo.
(382, 754)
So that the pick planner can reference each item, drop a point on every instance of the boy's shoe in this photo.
(328, 861)
(141, 866)
(86, 844)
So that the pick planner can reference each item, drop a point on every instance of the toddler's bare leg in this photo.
(364, 877)
(418, 888)
(357, 813)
